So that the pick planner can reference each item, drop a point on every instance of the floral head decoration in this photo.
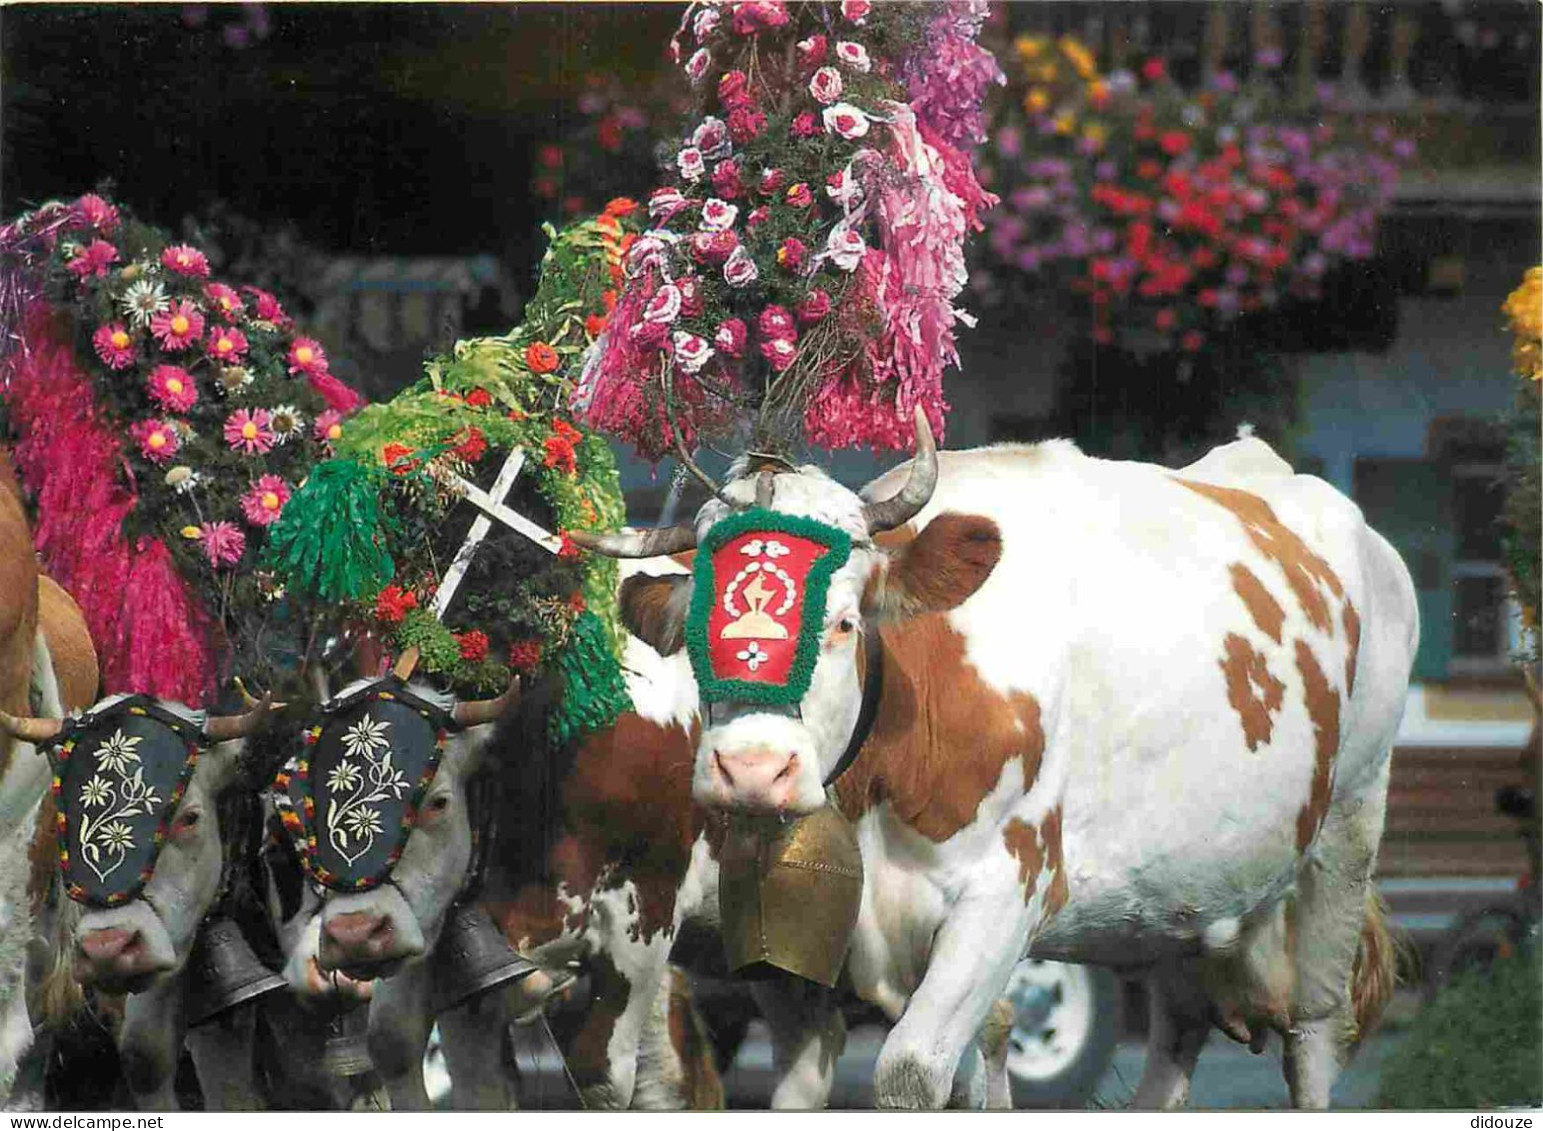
(758, 605)
(120, 771)
(349, 800)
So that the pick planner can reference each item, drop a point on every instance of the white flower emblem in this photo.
(117, 752)
(753, 655)
(775, 549)
(364, 736)
(363, 822)
(117, 837)
(105, 838)
(345, 775)
(753, 548)
(95, 792)
(351, 820)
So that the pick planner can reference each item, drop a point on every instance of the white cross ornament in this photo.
(492, 506)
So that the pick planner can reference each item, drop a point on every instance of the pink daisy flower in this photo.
(114, 346)
(223, 543)
(226, 343)
(93, 260)
(265, 307)
(178, 326)
(249, 431)
(224, 299)
(328, 427)
(263, 504)
(185, 260)
(158, 440)
(94, 212)
(172, 388)
(306, 356)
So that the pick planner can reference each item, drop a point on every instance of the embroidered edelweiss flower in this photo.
(95, 792)
(363, 822)
(117, 836)
(364, 736)
(345, 775)
(143, 300)
(117, 752)
(753, 656)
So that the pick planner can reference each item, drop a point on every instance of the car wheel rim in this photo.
(1052, 1018)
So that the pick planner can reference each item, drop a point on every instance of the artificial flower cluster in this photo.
(1170, 213)
(225, 405)
(804, 257)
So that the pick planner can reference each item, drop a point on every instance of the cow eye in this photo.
(439, 804)
(187, 822)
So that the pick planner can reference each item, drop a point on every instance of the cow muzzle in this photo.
(369, 939)
(122, 958)
(758, 779)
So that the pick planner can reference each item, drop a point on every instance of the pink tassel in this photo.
(339, 397)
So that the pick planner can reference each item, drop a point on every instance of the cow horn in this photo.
(405, 663)
(250, 700)
(903, 505)
(29, 729)
(223, 728)
(475, 712)
(639, 543)
(765, 484)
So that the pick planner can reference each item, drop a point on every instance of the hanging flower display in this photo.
(828, 155)
(1522, 517)
(160, 420)
(1170, 213)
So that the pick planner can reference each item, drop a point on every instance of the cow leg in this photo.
(808, 1035)
(150, 1042)
(399, 1036)
(223, 1055)
(972, 957)
(1178, 1027)
(992, 1042)
(473, 1036)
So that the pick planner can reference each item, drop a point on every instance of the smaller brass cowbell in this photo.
(347, 1053)
(789, 894)
(472, 957)
(223, 972)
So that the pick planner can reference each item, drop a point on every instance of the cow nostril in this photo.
(787, 770)
(723, 769)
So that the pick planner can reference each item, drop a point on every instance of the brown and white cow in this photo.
(1156, 733)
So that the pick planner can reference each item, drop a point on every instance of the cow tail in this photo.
(1374, 973)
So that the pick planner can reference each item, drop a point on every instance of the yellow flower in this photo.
(1029, 46)
(1081, 58)
(1095, 134)
(1036, 101)
(1524, 310)
(1065, 122)
(190, 532)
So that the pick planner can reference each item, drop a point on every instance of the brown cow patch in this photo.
(1305, 571)
(1035, 849)
(1323, 710)
(1264, 608)
(654, 609)
(1353, 634)
(942, 737)
(1254, 693)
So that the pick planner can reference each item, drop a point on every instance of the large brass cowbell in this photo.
(789, 894)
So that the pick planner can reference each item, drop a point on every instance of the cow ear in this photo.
(935, 570)
(654, 610)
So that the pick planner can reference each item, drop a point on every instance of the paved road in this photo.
(1229, 1076)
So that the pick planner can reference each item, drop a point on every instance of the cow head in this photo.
(379, 806)
(137, 783)
(780, 617)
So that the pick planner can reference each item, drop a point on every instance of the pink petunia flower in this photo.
(94, 212)
(225, 300)
(825, 85)
(114, 346)
(811, 51)
(697, 65)
(178, 326)
(752, 16)
(263, 504)
(730, 338)
(223, 543)
(805, 125)
(306, 356)
(185, 260)
(172, 388)
(854, 55)
(776, 322)
(689, 162)
(779, 353)
(328, 427)
(718, 215)
(845, 247)
(846, 120)
(665, 203)
(799, 196)
(158, 439)
(711, 138)
(226, 343)
(791, 254)
(93, 260)
(814, 307)
(856, 10)
(249, 431)
(691, 351)
(739, 270)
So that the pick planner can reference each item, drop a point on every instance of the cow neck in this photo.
(873, 692)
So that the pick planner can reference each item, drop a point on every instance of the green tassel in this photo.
(594, 692)
(330, 541)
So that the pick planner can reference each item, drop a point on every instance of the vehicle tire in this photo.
(1066, 1023)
